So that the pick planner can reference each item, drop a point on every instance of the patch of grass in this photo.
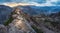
(37, 30)
(8, 21)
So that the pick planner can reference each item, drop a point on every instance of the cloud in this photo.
(35, 2)
(57, 2)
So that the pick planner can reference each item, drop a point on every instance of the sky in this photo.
(37, 2)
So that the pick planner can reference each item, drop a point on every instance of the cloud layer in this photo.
(35, 2)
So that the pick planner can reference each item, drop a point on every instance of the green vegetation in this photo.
(37, 30)
(54, 24)
(8, 21)
(13, 13)
(46, 20)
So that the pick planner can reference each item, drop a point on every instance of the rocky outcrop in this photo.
(19, 24)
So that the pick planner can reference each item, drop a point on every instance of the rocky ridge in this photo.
(19, 24)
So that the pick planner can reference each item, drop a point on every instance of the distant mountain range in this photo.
(33, 10)
(5, 11)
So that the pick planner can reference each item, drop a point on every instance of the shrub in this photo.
(8, 21)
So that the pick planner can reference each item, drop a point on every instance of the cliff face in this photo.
(19, 23)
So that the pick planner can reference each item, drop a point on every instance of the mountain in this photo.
(34, 10)
(30, 19)
(49, 24)
(5, 11)
(18, 24)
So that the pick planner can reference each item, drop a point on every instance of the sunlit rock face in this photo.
(20, 24)
(5, 11)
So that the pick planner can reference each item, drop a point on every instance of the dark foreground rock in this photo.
(3, 29)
